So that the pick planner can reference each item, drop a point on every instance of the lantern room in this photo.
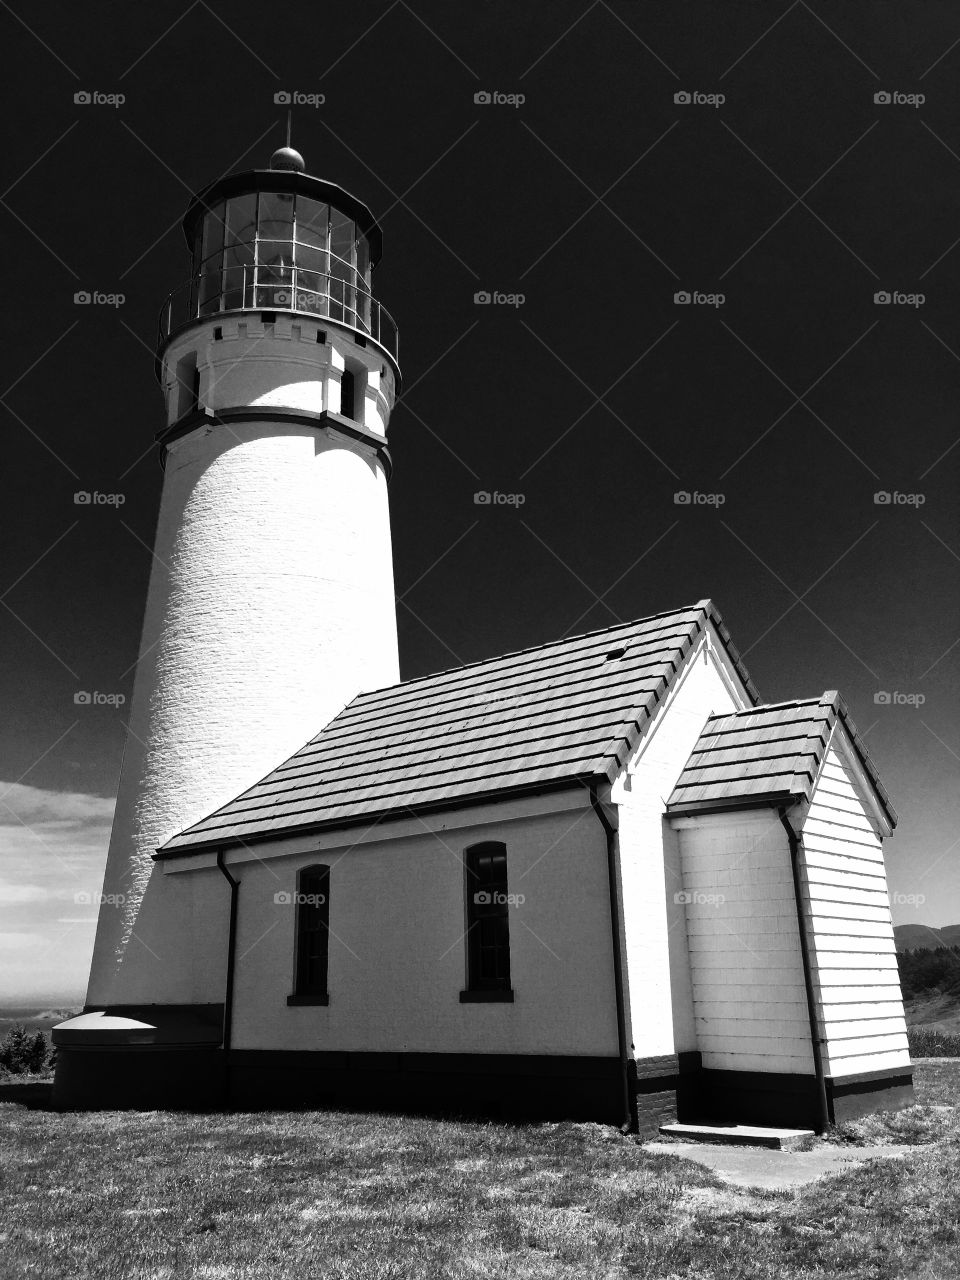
(279, 239)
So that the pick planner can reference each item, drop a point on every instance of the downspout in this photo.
(610, 833)
(794, 842)
(231, 949)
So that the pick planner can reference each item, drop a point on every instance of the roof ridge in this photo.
(704, 606)
(769, 706)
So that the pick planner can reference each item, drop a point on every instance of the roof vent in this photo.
(615, 653)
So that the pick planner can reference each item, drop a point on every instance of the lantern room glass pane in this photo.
(275, 221)
(208, 268)
(343, 246)
(238, 253)
(212, 233)
(312, 222)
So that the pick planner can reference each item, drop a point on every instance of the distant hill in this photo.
(911, 937)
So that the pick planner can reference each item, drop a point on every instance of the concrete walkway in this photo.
(775, 1170)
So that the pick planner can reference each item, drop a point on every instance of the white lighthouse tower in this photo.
(271, 600)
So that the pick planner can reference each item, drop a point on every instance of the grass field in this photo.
(367, 1197)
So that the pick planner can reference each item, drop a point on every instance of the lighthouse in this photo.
(271, 601)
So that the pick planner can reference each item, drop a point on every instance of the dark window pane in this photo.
(313, 916)
(488, 924)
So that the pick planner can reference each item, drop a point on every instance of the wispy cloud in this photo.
(53, 847)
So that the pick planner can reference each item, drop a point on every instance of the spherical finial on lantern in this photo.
(288, 158)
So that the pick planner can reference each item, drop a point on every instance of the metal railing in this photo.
(257, 287)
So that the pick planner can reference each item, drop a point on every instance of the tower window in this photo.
(188, 384)
(488, 924)
(348, 394)
(312, 903)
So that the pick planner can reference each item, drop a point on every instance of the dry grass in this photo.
(156, 1196)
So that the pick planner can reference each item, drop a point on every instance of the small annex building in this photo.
(595, 879)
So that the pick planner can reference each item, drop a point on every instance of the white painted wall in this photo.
(270, 606)
(748, 988)
(282, 365)
(656, 958)
(851, 927)
(397, 959)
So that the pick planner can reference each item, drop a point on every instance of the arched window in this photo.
(488, 924)
(312, 902)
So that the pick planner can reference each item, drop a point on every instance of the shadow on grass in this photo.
(36, 1094)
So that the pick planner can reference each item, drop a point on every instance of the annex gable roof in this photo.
(768, 754)
(565, 711)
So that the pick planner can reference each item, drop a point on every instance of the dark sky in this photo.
(597, 399)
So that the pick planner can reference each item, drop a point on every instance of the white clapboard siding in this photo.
(750, 1010)
(850, 993)
(850, 928)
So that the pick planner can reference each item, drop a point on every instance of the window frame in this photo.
(309, 882)
(484, 988)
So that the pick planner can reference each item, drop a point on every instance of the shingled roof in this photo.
(572, 709)
(766, 754)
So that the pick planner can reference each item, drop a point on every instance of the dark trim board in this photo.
(773, 1098)
(499, 1086)
(496, 1086)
